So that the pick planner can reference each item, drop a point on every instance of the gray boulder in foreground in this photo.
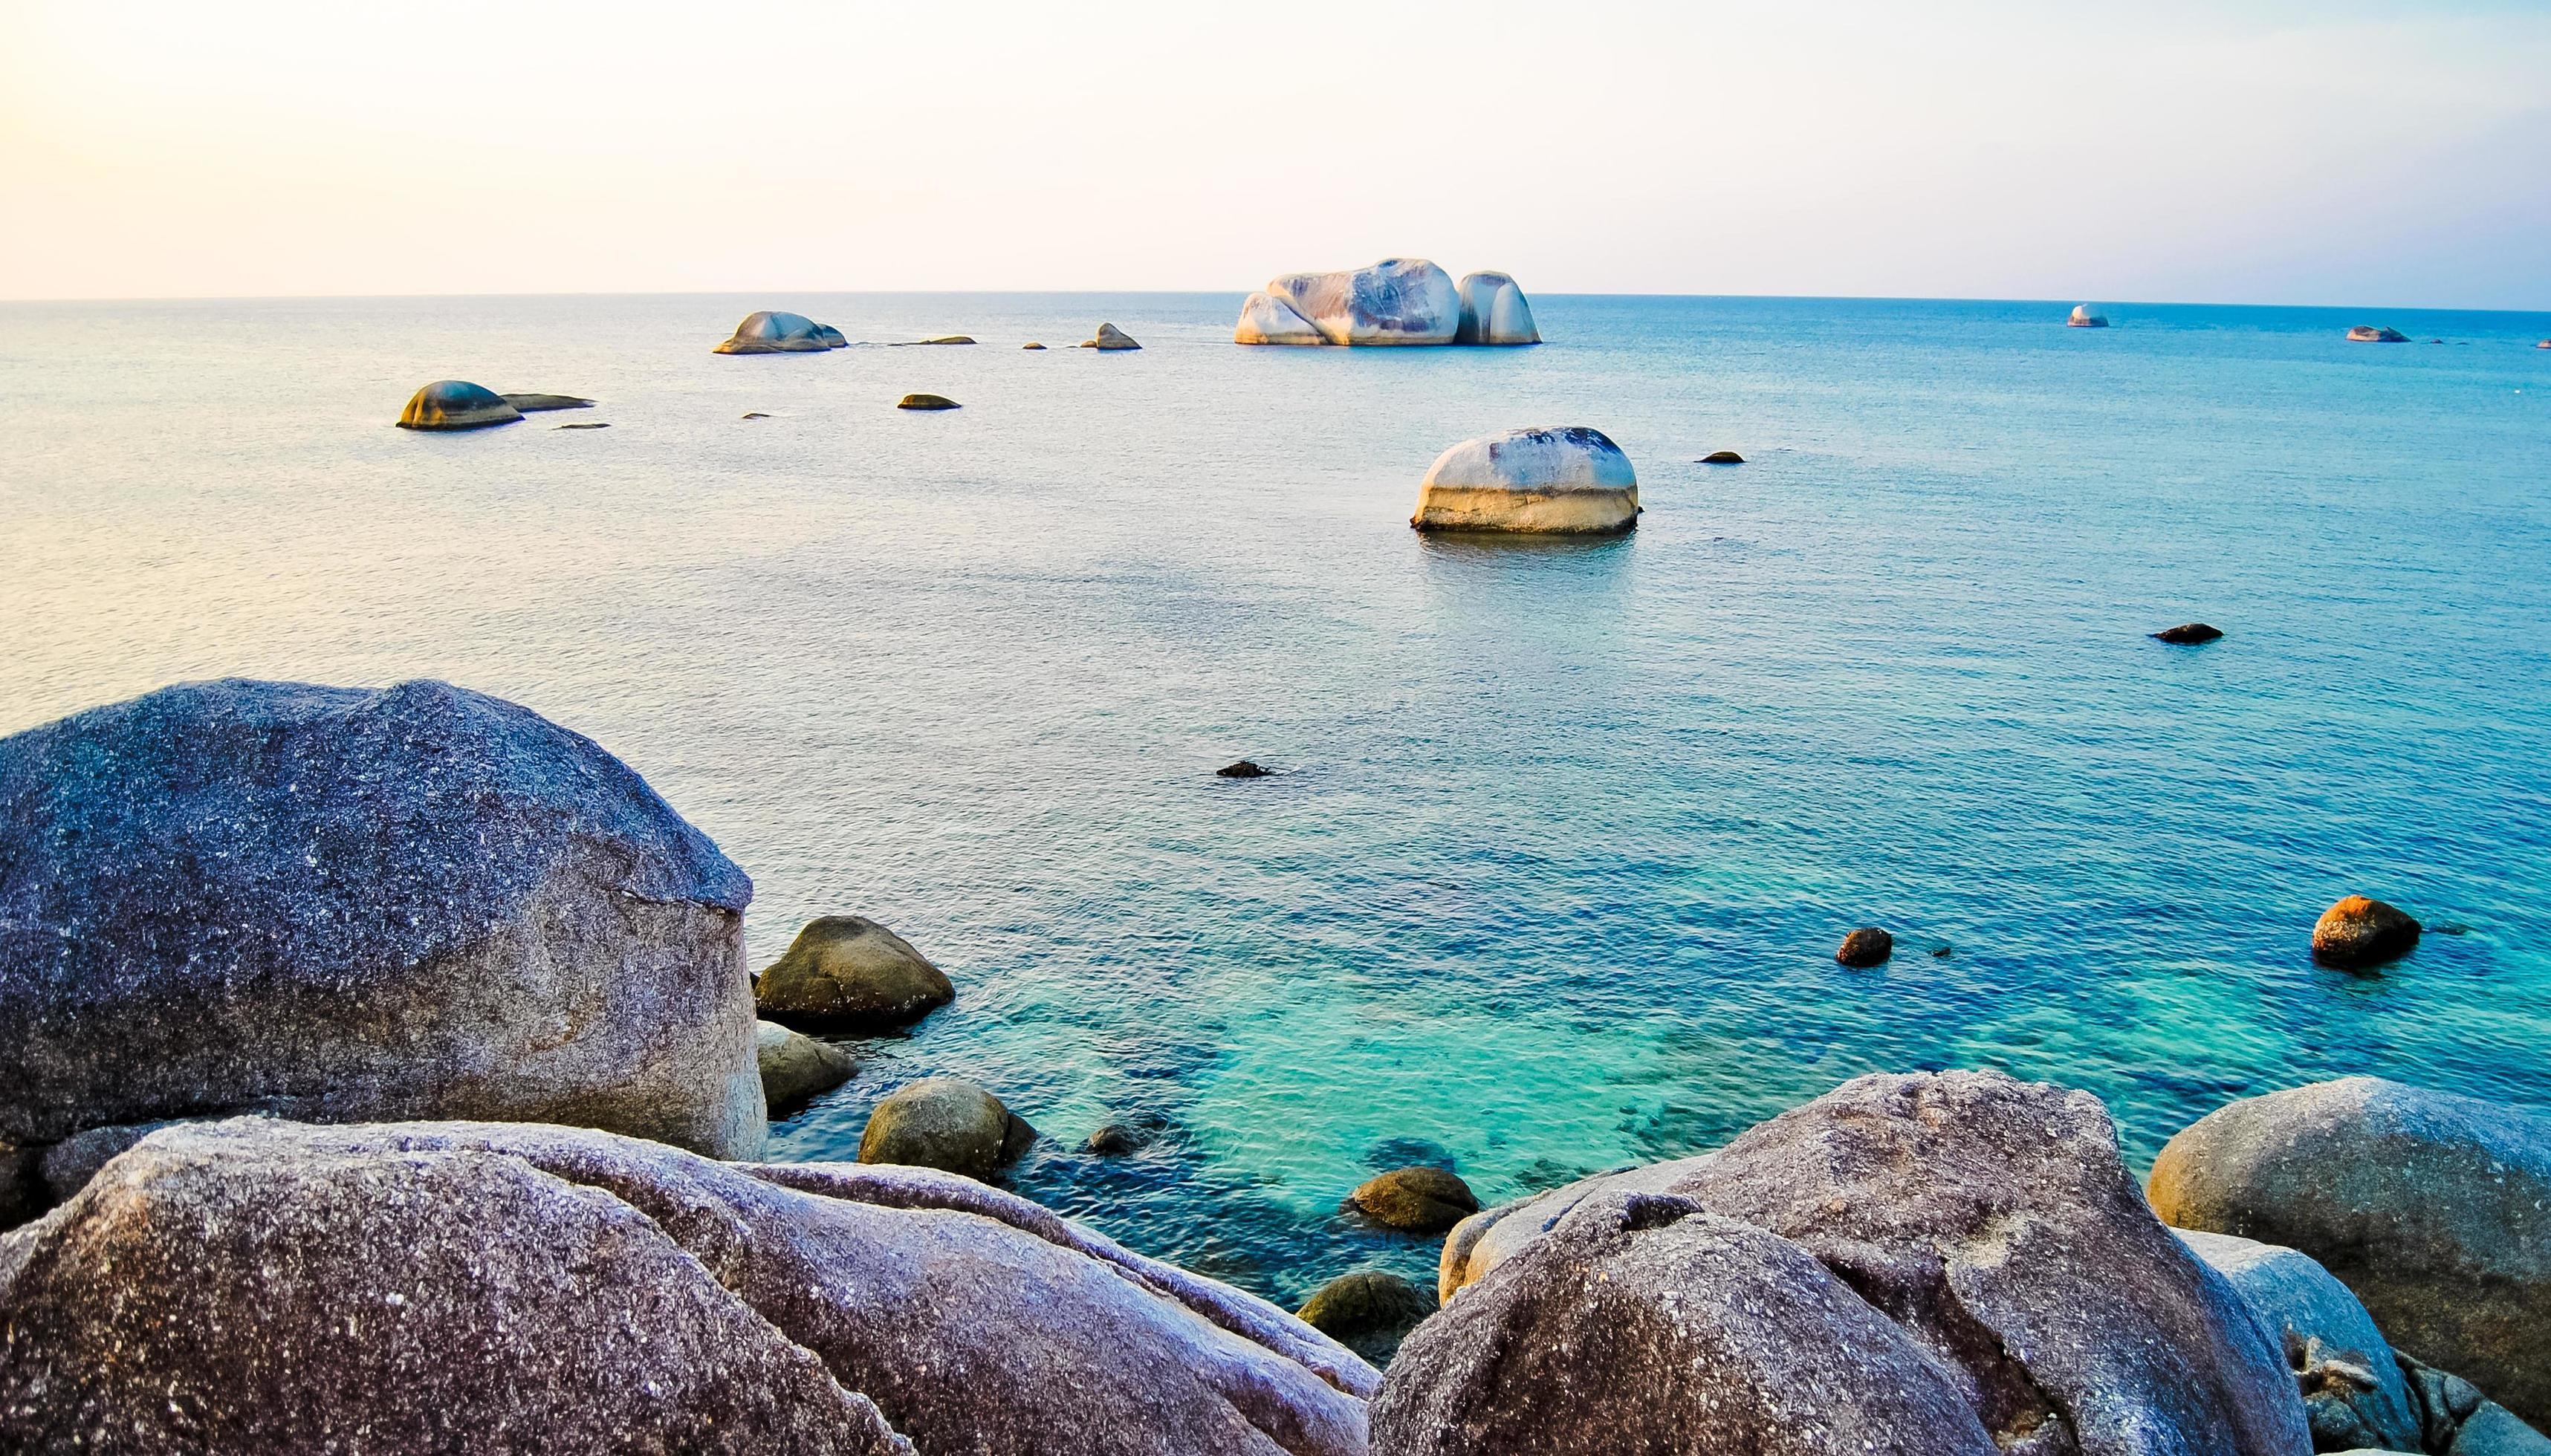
(2352, 1386)
(1397, 301)
(1989, 1222)
(345, 905)
(1569, 481)
(456, 404)
(271, 1286)
(2434, 1208)
(778, 331)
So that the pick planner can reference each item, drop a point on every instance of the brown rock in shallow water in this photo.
(795, 1067)
(1111, 338)
(2434, 1208)
(2187, 634)
(456, 404)
(1867, 947)
(847, 973)
(2358, 932)
(1642, 1323)
(1244, 769)
(927, 402)
(483, 1288)
(1415, 1199)
(1369, 1312)
(946, 1124)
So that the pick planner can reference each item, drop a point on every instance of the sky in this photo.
(2333, 153)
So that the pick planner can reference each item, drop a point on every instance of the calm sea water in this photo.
(1564, 834)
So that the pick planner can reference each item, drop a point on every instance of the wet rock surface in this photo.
(1369, 1312)
(347, 905)
(457, 1287)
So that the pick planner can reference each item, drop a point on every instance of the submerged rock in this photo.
(1721, 458)
(2084, 317)
(1111, 338)
(589, 424)
(532, 403)
(1415, 1199)
(948, 1124)
(1566, 481)
(795, 1067)
(1266, 319)
(2351, 1385)
(347, 905)
(1867, 947)
(456, 404)
(1369, 1312)
(1397, 301)
(2368, 334)
(847, 973)
(449, 1286)
(1493, 312)
(2434, 1208)
(2187, 634)
(927, 402)
(773, 331)
(1244, 769)
(2358, 932)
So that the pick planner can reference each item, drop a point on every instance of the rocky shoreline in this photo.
(379, 1071)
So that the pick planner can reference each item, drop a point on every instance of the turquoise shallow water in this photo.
(1563, 835)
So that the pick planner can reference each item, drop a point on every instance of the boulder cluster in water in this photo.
(369, 1058)
(1397, 301)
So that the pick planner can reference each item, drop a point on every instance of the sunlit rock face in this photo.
(772, 331)
(2087, 316)
(1493, 311)
(1264, 319)
(456, 404)
(1565, 481)
(1395, 301)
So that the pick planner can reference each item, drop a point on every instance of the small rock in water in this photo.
(847, 973)
(927, 402)
(946, 1124)
(2368, 334)
(589, 424)
(1115, 1140)
(2189, 634)
(456, 404)
(532, 403)
(948, 339)
(778, 331)
(2359, 932)
(1942, 951)
(1416, 1200)
(2546, 343)
(1722, 457)
(1369, 1312)
(1244, 769)
(2087, 316)
(1031, 344)
(1867, 947)
(755, 414)
(796, 1067)
(1111, 338)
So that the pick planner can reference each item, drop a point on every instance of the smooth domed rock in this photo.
(1397, 301)
(1638, 1322)
(1562, 481)
(268, 1287)
(2351, 1383)
(1266, 319)
(2187, 634)
(847, 973)
(832, 338)
(2368, 334)
(773, 331)
(1111, 338)
(1031, 345)
(947, 1123)
(2434, 1208)
(1415, 1199)
(1115, 1140)
(349, 905)
(1992, 1221)
(456, 404)
(1493, 312)
(1369, 1312)
(927, 402)
(2086, 316)
(532, 403)
(2359, 932)
(1867, 947)
(1722, 457)
(1244, 769)
(796, 1066)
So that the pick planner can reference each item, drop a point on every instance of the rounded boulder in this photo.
(1369, 1312)
(777, 331)
(1397, 301)
(2358, 932)
(1415, 1199)
(1494, 311)
(1569, 481)
(456, 404)
(847, 973)
(1266, 319)
(948, 1124)
(796, 1066)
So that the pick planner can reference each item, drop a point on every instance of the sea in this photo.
(1560, 835)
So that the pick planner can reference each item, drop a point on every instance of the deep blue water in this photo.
(1563, 835)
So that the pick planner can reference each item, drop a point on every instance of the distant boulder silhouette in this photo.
(2086, 316)
(773, 331)
(2189, 634)
(2368, 334)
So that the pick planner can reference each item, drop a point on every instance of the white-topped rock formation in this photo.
(1567, 481)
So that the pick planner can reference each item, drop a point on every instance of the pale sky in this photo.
(2333, 153)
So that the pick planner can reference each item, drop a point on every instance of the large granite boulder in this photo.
(1562, 481)
(947, 1123)
(457, 404)
(1266, 319)
(1640, 1322)
(1493, 311)
(1396, 301)
(777, 331)
(260, 1285)
(1993, 1223)
(847, 973)
(2354, 1394)
(2434, 1208)
(344, 905)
